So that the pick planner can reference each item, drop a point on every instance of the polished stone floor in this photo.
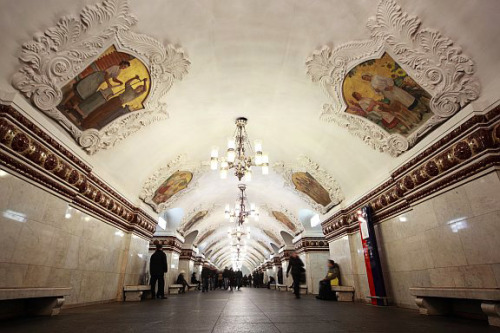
(249, 310)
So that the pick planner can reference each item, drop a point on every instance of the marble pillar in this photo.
(313, 251)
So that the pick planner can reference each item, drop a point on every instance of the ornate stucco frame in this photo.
(289, 214)
(192, 213)
(427, 56)
(161, 174)
(58, 54)
(305, 164)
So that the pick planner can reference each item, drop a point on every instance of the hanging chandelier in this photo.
(236, 155)
(240, 213)
(238, 246)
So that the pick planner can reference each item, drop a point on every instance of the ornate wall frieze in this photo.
(179, 163)
(170, 243)
(187, 254)
(469, 149)
(311, 244)
(431, 59)
(325, 180)
(31, 153)
(60, 53)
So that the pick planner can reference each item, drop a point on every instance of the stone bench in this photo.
(31, 301)
(192, 286)
(174, 288)
(135, 293)
(438, 301)
(282, 287)
(344, 293)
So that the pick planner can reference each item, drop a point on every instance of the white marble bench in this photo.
(344, 293)
(174, 288)
(32, 301)
(135, 293)
(192, 286)
(282, 287)
(436, 301)
(303, 289)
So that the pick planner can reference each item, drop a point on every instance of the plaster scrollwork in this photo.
(289, 214)
(430, 58)
(58, 54)
(327, 181)
(161, 174)
(192, 214)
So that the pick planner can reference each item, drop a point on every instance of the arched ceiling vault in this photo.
(248, 58)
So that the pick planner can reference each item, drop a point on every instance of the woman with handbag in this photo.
(332, 278)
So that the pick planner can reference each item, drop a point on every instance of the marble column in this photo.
(276, 267)
(284, 256)
(186, 263)
(314, 252)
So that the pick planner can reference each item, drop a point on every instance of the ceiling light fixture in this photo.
(240, 213)
(237, 148)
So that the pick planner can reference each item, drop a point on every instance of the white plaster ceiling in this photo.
(248, 59)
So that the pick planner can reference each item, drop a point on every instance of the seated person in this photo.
(194, 280)
(332, 278)
(182, 280)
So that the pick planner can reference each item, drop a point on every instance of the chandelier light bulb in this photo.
(231, 144)
(248, 175)
(231, 155)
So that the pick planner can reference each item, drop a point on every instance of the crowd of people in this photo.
(229, 279)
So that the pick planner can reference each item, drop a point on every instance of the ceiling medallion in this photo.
(236, 156)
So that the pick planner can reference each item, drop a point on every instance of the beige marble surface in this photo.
(450, 240)
(46, 243)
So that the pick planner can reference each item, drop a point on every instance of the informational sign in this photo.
(372, 259)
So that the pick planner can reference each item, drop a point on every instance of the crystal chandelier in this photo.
(240, 213)
(238, 246)
(237, 148)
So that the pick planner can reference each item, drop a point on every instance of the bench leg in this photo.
(343, 296)
(432, 306)
(492, 310)
(133, 296)
(45, 306)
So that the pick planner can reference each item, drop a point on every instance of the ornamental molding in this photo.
(471, 149)
(32, 154)
(305, 164)
(430, 58)
(169, 243)
(311, 244)
(60, 53)
(191, 214)
(289, 214)
(179, 163)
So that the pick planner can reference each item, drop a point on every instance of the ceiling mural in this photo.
(204, 236)
(97, 78)
(170, 182)
(314, 184)
(284, 220)
(414, 79)
(382, 92)
(273, 237)
(193, 217)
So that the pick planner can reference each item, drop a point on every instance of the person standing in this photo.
(297, 267)
(205, 275)
(239, 279)
(157, 269)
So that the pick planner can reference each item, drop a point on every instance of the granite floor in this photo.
(249, 310)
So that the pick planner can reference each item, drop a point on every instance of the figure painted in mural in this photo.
(115, 84)
(306, 183)
(385, 94)
(100, 114)
(390, 115)
(176, 182)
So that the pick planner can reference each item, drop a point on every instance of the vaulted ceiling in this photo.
(248, 58)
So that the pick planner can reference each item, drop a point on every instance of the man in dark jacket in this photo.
(205, 275)
(297, 267)
(157, 269)
(239, 279)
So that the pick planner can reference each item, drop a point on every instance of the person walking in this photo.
(205, 275)
(239, 279)
(297, 267)
(157, 269)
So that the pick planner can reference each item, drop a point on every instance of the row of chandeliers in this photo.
(241, 157)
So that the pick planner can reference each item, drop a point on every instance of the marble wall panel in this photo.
(46, 243)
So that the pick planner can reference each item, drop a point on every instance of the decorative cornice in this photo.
(179, 163)
(170, 243)
(30, 152)
(60, 53)
(470, 148)
(311, 244)
(305, 164)
(429, 58)
(188, 254)
(285, 255)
